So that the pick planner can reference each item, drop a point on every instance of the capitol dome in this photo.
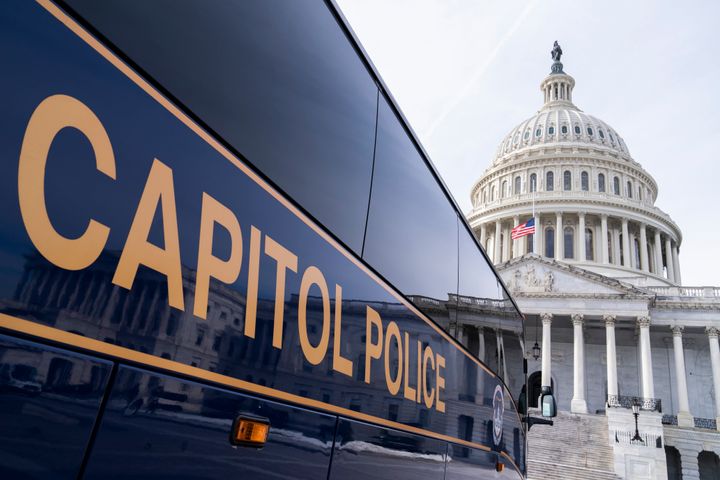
(593, 204)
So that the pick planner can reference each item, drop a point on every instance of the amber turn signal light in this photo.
(250, 431)
(499, 467)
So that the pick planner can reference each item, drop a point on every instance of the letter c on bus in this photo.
(49, 118)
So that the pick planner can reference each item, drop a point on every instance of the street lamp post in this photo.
(636, 414)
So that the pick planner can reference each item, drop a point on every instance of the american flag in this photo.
(527, 228)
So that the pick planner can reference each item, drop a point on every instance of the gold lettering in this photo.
(286, 260)
(208, 265)
(428, 395)
(340, 363)
(372, 350)
(393, 384)
(158, 190)
(408, 391)
(51, 116)
(418, 385)
(253, 276)
(313, 276)
(440, 382)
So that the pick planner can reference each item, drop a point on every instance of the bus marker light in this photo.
(499, 466)
(250, 431)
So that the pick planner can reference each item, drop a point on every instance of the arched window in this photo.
(538, 131)
(602, 135)
(567, 180)
(492, 193)
(563, 129)
(577, 130)
(569, 242)
(601, 182)
(584, 181)
(616, 186)
(550, 242)
(517, 185)
(589, 245)
(549, 180)
(503, 190)
(636, 249)
(551, 131)
(629, 189)
(533, 182)
(529, 243)
(527, 134)
(590, 131)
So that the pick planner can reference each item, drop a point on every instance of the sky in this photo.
(465, 72)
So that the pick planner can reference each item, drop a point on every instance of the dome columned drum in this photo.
(592, 203)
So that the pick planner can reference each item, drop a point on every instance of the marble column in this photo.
(646, 371)
(611, 354)
(685, 419)
(712, 334)
(669, 260)
(676, 264)
(604, 239)
(516, 243)
(578, 403)
(581, 236)
(626, 244)
(546, 376)
(483, 237)
(658, 254)
(481, 344)
(558, 236)
(497, 245)
(643, 249)
(689, 463)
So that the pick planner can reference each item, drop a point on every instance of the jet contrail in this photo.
(480, 71)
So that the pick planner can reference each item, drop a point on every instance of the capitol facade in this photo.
(609, 323)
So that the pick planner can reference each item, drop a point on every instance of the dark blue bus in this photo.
(224, 254)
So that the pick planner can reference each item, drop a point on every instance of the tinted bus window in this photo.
(283, 86)
(412, 227)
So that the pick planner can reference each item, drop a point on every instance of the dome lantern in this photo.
(558, 86)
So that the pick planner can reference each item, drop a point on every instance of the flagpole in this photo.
(534, 250)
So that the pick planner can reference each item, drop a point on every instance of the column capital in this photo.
(609, 320)
(546, 318)
(624, 220)
(677, 330)
(643, 321)
(581, 214)
(712, 332)
(577, 318)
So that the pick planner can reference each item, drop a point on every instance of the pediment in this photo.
(535, 275)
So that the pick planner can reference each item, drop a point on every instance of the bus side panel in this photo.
(472, 464)
(368, 451)
(49, 400)
(158, 427)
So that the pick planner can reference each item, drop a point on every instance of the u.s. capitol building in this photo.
(600, 285)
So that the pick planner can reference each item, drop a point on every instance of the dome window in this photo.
(567, 180)
(577, 130)
(527, 134)
(569, 243)
(517, 137)
(538, 132)
(590, 131)
(549, 180)
(551, 130)
(612, 139)
(533, 182)
(589, 245)
(601, 133)
(564, 129)
(601, 182)
(550, 242)
(517, 186)
(616, 186)
(629, 189)
(584, 181)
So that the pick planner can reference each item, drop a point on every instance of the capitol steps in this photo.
(575, 448)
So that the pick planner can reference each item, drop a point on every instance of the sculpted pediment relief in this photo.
(533, 275)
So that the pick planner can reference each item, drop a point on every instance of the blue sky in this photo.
(466, 72)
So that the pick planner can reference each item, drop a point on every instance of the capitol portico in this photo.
(601, 288)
